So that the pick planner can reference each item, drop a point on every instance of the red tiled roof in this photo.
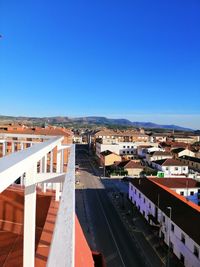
(176, 182)
(172, 162)
(130, 164)
(11, 226)
(169, 162)
(41, 131)
(83, 254)
(161, 153)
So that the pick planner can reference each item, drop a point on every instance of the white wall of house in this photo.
(154, 149)
(171, 170)
(127, 148)
(158, 138)
(190, 193)
(103, 147)
(186, 248)
(186, 152)
(150, 158)
(174, 170)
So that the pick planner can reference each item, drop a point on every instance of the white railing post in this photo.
(22, 146)
(4, 148)
(58, 170)
(29, 219)
(13, 146)
(51, 161)
(41, 165)
(62, 160)
(44, 170)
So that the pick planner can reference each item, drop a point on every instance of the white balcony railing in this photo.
(24, 164)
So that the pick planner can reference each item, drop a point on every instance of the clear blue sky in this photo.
(136, 59)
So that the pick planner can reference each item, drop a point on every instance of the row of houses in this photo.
(175, 218)
(111, 136)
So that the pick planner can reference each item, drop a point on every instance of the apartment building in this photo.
(189, 139)
(192, 162)
(108, 136)
(176, 219)
(122, 149)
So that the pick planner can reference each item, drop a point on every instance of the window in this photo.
(182, 193)
(131, 152)
(167, 168)
(135, 191)
(124, 146)
(182, 258)
(163, 218)
(199, 191)
(192, 193)
(144, 200)
(123, 152)
(127, 146)
(131, 146)
(172, 227)
(176, 168)
(196, 251)
(171, 246)
(183, 238)
(139, 195)
(127, 152)
(184, 168)
(149, 205)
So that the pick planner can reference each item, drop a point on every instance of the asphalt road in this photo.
(105, 231)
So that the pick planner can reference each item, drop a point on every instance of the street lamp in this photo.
(168, 251)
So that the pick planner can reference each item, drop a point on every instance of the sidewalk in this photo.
(141, 230)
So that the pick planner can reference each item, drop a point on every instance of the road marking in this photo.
(109, 227)
(111, 257)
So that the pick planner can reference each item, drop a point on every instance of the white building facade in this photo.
(181, 243)
(170, 168)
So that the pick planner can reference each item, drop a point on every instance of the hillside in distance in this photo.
(91, 120)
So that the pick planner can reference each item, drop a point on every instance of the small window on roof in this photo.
(196, 251)
(183, 238)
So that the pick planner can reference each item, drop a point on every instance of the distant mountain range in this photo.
(92, 120)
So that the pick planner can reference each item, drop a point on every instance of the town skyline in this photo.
(191, 121)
